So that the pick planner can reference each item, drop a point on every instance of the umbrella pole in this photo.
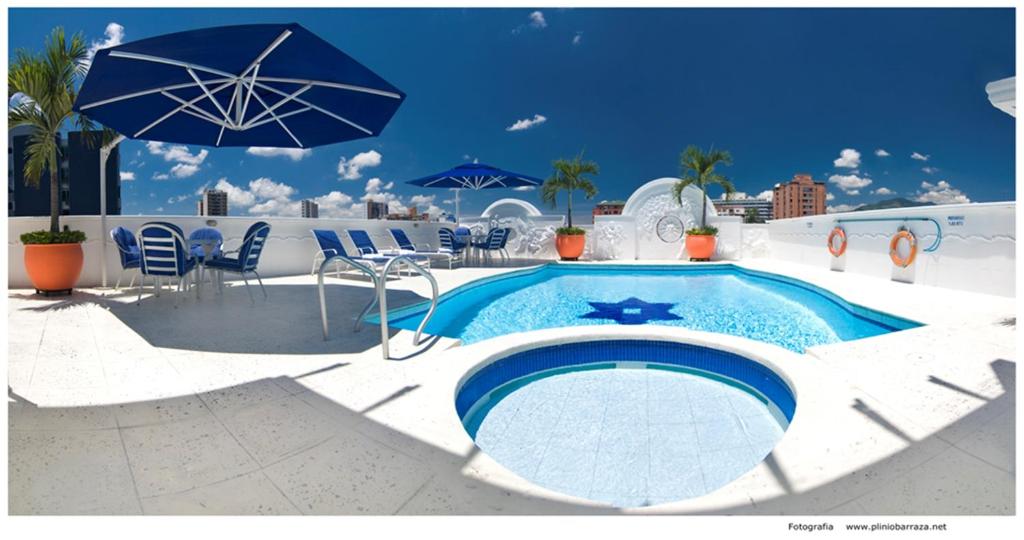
(458, 217)
(104, 155)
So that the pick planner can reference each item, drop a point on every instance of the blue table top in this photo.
(206, 233)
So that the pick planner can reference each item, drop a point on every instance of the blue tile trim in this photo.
(584, 353)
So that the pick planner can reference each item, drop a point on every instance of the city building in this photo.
(740, 207)
(79, 177)
(310, 209)
(376, 210)
(608, 208)
(800, 197)
(214, 202)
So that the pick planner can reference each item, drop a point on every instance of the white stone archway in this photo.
(652, 202)
(511, 208)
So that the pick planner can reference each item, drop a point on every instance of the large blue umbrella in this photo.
(475, 176)
(276, 85)
(251, 85)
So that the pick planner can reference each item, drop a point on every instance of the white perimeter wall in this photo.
(290, 247)
(977, 252)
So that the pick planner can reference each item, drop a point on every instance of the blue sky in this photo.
(878, 102)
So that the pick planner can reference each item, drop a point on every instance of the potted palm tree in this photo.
(698, 169)
(569, 177)
(45, 86)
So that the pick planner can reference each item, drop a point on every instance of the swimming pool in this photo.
(625, 421)
(714, 298)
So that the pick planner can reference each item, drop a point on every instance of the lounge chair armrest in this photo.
(365, 251)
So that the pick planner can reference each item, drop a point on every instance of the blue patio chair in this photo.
(495, 241)
(247, 259)
(128, 251)
(365, 246)
(164, 252)
(450, 245)
(406, 247)
(330, 245)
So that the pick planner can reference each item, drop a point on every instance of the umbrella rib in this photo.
(141, 93)
(278, 119)
(176, 110)
(171, 62)
(285, 115)
(266, 52)
(189, 108)
(249, 95)
(227, 117)
(290, 97)
(315, 108)
(329, 84)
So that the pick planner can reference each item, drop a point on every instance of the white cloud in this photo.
(766, 195)
(265, 188)
(941, 193)
(294, 154)
(840, 208)
(883, 191)
(178, 198)
(186, 163)
(351, 169)
(527, 123)
(237, 197)
(524, 188)
(578, 38)
(919, 157)
(127, 176)
(336, 205)
(830, 197)
(184, 170)
(848, 159)
(537, 20)
(930, 170)
(178, 153)
(114, 36)
(882, 153)
(850, 183)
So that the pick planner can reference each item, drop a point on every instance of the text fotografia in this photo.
(811, 527)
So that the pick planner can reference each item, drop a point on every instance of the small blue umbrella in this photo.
(275, 85)
(475, 176)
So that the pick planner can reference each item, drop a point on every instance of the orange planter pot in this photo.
(53, 267)
(700, 246)
(570, 246)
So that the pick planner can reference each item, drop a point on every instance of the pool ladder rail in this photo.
(380, 298)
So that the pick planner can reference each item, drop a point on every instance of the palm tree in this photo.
(46, 83)
(698, 169)
(569, 177)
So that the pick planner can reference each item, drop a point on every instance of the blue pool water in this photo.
(719, 298)
(626, 422)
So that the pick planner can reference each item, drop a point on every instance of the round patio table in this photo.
(205, 244)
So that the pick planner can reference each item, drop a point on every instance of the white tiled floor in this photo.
(219, 406)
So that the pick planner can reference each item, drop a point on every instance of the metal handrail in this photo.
(323, 301)
(382, 301)
(938, 228)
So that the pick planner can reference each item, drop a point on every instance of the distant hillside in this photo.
(898, 202)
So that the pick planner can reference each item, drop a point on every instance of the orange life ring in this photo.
(842, 244)
(894, 254)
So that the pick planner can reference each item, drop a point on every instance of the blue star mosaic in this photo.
(632, 311)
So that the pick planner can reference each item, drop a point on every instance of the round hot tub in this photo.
(627, 422)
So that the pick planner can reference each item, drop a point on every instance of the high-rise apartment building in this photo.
(214, 202)
(78, 177)
(310, 209)
(376, 210)
(800, 197)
